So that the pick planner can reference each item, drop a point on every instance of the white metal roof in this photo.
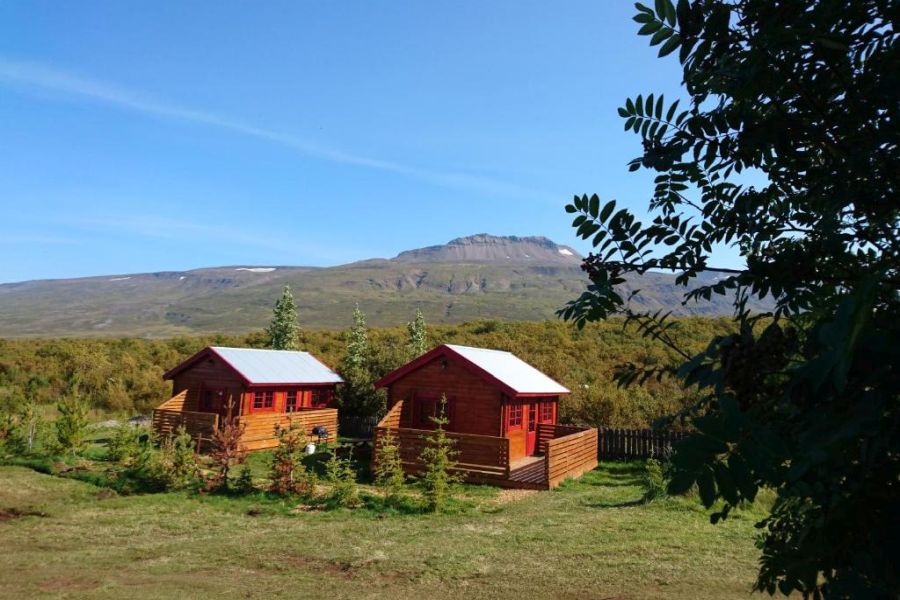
(277, 366)
(511, 370)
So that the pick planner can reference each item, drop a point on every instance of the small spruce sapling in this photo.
(227, 451)
(439, 459)
(289, 475)
(389, 474)
(244, 483)
(341, 477)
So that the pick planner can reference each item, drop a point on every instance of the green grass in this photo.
(587, 539)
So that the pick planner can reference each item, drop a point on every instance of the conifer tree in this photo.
(418, 336)
(227, 450)
(439, 458)
(283, 331)
(340, 475)
(288, 473)
(389, 467)
(358, 341)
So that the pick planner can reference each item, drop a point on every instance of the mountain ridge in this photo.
(473, 277)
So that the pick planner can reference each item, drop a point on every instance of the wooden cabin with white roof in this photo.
(263, 388)
(502, 412)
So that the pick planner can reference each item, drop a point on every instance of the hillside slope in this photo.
(476, 277)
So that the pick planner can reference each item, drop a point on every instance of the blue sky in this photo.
(143, 136)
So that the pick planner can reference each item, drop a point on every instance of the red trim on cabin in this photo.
(447, 351)
(515, 412)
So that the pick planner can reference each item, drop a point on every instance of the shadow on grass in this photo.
(597, 503)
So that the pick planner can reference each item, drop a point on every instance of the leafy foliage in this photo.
(71, 425)
(439, 459)
(283, 331)
(582, 360)
(175, 466)
(787, 150)
(124, 446)
(21, 428)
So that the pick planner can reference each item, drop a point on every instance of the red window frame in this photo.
(263, 400)
(546, 412)
(514, 414)
(290, 401)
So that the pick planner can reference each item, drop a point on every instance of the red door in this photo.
(531, 434)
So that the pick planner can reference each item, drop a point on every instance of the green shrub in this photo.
(71, 425)
(171, 466)
(21, 428)
(655, 482)
(125, 444)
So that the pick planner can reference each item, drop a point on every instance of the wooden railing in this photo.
(259, 429)
(550, 431)
(479, 457)
(632, 444)
(570, 455)
(392, 418)
(198, 424)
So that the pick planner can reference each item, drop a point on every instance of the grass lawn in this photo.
(588, 539)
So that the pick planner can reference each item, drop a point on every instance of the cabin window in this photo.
(263, 400)
(320, 398)
(290, 404)
(426, 407)
(515, 415)
(547, 412)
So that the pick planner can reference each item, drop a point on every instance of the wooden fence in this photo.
(259, 429)
(570, 455)
(356, 426)
(199, 424)
(629, 444)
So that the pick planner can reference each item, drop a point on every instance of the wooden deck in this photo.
(566, 451)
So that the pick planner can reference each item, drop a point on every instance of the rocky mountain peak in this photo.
(495, 249)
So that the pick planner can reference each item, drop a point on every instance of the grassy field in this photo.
(588, 539)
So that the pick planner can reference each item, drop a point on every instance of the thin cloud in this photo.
(156, 227)
(27, 76)
(25, 239)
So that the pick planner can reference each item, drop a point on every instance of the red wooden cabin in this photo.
(502, 411)
(264, 387)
